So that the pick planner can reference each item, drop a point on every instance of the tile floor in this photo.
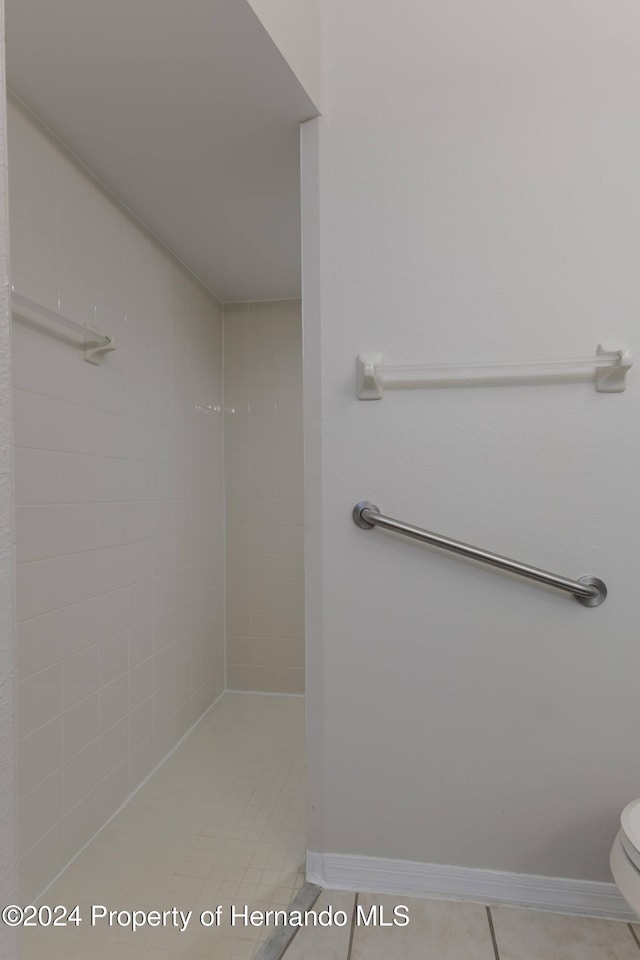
(221, 822)
(446, 930)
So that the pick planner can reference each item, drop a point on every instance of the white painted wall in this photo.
(8, 874)
(479, 199)
(295, 26)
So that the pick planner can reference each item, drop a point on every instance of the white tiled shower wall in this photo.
(120, 506)
(264, 480)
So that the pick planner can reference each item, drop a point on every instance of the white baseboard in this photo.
(379, 875)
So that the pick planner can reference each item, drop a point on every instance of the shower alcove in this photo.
(154, 194)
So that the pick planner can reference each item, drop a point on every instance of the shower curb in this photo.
(280, 940)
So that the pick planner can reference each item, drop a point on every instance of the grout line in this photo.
(353, 926)
(275, 947)
(233, 303)
(634, 934)
(225, 506)
(493, 934)
(124, 802)
(263, 693)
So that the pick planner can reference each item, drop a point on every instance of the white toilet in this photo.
(625, 855)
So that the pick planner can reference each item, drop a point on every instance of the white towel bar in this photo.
(95, 344)
(610, 365)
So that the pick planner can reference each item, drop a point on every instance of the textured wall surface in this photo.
(120, 506)
(479, 200)
(8, 874)
(264, 481)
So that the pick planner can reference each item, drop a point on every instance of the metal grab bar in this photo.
(590, 591)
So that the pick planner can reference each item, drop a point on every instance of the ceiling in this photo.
(188, 113)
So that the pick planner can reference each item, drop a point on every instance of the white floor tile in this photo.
(325, 943)
(221, 822)
(536, 935)
(437, 930)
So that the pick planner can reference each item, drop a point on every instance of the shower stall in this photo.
(159, 521)
(120, 493)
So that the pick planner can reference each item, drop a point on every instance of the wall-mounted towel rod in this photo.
(610, 366)
(95, 344)
(590, 591)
